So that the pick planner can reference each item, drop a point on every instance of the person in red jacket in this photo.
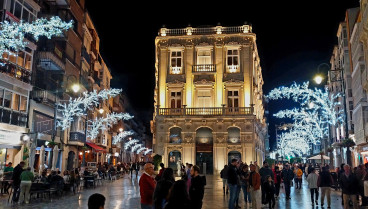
(147, 186)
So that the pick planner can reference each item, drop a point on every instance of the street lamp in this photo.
(318, 79)
(76, 88)
(121, 129)
(101, 110)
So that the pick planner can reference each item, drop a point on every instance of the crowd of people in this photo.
(163, 192)
(261, 186)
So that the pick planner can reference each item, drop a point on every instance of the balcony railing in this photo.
(206, 111)
(209, 68)
(205, 30)
(16, 71)
(50, 61)
(13, 117)
(77, 137)
(43, 96)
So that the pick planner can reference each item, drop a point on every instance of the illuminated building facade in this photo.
(208, 97)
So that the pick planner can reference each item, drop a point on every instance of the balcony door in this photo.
(204, 98)
(204, 57)
(233, 101)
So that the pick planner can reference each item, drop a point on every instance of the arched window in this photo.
(233, 134)
(204, 136)
(175, 135)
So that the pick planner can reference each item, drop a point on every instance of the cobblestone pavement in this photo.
(124, 193)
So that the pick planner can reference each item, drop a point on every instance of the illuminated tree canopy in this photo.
(317, 110)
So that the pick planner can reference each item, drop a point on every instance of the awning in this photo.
(94, 146)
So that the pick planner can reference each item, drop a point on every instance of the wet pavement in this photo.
(124, 193)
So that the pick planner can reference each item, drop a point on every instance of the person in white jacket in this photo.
(312, 180)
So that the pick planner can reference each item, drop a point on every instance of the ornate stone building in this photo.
(208, 97)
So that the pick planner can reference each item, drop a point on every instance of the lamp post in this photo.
(337, 75)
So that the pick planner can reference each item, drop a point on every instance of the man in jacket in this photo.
(232, 182)
(287, 176)
(223, 174)
(298, 175)
(196, 190)
(325, 181)
(264, 172)
(147, 186)
(312, 183)
(349, 185)
(16, 180)
(255, 187)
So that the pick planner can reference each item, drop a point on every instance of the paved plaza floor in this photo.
(124, 193)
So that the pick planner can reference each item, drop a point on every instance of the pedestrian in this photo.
(264, 172)
(360, 174)
(277, 177)
(96, 201)
(8, 172)
(16, 180)
(255, 187)
(147, 186)
(349, 182)
(238, 184)
(178, 196)
(269, 188)
(189, 180)
(244, 176)
(223, 175)
(162, 188)
(287, 176)
(306, 170)
(132, 167)
(158, 177)
(232, 181)
(325, 181)
(313, 187)
(298, 177)
(26, 178)
(196, 190)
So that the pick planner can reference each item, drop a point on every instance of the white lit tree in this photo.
(12, 35)
(104, 123)
(118, 138)
(130, 143)
(78, 107)
(318, 109)
(135, 147)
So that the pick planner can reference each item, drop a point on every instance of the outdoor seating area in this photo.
(50, 185)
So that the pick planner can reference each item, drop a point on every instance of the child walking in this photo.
(270, 189)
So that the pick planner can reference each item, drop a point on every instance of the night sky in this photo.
(293, 38)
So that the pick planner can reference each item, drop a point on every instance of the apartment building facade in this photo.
(208, 97)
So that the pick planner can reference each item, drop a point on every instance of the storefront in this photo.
(10, 147)
(363, 155)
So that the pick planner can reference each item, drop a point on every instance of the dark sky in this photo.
(293, 38)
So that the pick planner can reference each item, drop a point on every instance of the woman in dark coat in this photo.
(178, 196)
(162, 188)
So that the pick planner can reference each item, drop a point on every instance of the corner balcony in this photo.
(207, 111)
(51, 61)
(208, 68)
(77, 138)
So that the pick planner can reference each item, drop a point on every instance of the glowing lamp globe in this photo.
(318, 79)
